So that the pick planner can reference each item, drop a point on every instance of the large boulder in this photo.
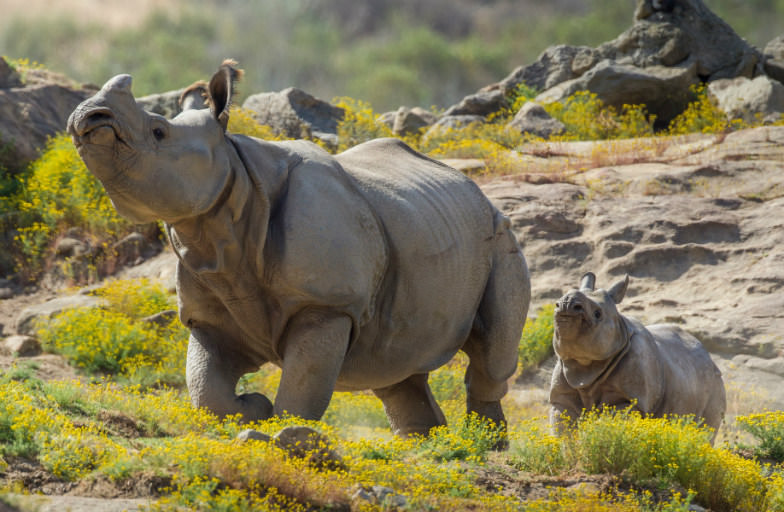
(165, 103)
(483, 103)
(750, 100)
(667, 33)
(774, 59)
(555, 65)
(29, 317)
(533, 118)
(664, 90)
(8, 76)
(671, 45)
(295, 113)
(32, 112)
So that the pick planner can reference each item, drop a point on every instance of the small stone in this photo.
(6, 293)
(22, 346)
(253, 435)
(305, 442)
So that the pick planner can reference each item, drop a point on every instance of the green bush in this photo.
(586, 117)
(57, 192)
(536, 343)
(115, 339)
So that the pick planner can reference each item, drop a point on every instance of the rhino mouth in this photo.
(97, 126)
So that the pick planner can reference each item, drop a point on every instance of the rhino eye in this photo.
(158, 133)
(597, 314)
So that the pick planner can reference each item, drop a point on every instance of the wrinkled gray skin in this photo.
(365, 270)
(607, 359)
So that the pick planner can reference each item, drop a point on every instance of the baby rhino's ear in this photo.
(618, 290)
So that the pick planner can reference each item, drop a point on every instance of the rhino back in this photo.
(439, 229)
(693, 378)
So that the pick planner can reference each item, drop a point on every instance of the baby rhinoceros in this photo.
(363, 270)
(607, 359)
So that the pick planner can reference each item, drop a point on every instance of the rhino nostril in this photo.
(578, 307)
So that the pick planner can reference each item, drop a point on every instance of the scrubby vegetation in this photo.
(127, 420)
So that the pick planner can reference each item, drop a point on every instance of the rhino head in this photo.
(153, 168)
(588, 330)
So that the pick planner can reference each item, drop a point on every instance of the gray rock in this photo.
(294, 113)
(695, 32)
(555, 65)
(6, 293)
(446, 123)
(30, 115)
(68, 247)
(750, 100)
(774, 59)
(8, 76)
(162, 319)
(775, 48)
(411, 120)
(253, 435)
(165, 103)
(482, 103)
(664, 90)
(533, 118)
(22, 346)
(28, 317)
(135, 248)
(307, 443)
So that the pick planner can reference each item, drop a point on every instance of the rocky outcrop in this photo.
(699, 229)
(32, 112)
(663, 90)
(671, 46)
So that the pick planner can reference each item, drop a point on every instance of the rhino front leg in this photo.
(212, 373)
(314, 347)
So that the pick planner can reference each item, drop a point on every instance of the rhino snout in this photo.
(577, 305)
(94, 125)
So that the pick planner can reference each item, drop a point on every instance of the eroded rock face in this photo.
(701, 235)
(700, 231)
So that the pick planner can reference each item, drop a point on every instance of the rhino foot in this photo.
(493, 412)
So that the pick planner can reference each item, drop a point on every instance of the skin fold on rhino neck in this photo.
(222, 248)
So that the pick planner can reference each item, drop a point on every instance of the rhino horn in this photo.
(221, 90)
(588, 281)
(618, 290)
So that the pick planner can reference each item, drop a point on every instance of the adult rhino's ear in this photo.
(221, 90)
(618, 290)
(588, 281)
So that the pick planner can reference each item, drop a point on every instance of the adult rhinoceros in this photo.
(365, 270)
(607, 359)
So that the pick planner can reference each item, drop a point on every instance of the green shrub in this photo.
(359, 123)
(57, 193)
(702, 115)
(768, 429)
(536, 343)
(586, 117)
(114, 339)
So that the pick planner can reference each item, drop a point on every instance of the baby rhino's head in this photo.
(588, 327)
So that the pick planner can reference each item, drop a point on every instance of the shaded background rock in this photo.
(295, 113)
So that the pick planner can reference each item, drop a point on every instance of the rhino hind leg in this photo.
(410, 406)
(493, 343)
